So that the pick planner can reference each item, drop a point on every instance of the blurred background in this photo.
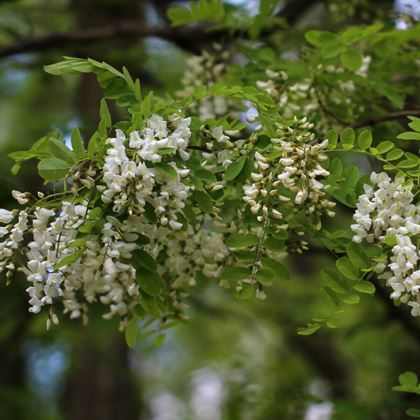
(233, 359)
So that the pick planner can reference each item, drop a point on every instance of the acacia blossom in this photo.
(386, 210)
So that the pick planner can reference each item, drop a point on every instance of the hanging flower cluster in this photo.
(306, 97)
(290, 172)
(77, 255)
(130, 181)
(386, 214)
(206, 70)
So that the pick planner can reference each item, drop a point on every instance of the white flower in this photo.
(21, 198)
(6, 216)
(384, 210)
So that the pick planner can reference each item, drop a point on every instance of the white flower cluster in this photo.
(131, 178)
(190, 252)
(291, 97)
(77, 255)
(206, 70)
(303, 96)
(11, 237)
(291, 178)
(59, 270)
(388, 210)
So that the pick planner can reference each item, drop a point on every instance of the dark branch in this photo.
(184, 37)
(189, 38)
(388, 117)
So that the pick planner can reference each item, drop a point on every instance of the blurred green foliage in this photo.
(233, 359)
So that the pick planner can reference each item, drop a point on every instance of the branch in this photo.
(185, 37)
(188, 38)
(388, 117)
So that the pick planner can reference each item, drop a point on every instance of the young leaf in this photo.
(357, 255)
(384, 147)
(245, 292)
(347, 138)
(309, 329)
(365, 139)
(279, 270)
(166, 169)
(60, 150)
(77, 143)
(241, 240)
(332, 137)
(347, 269)
(150, 282)
(204, 201)
(332, 280)
(53, 169)
(69, 259)
(131, 332)
(413, 412)
(234, 169)
(365, 287)
(409, 135)
(352, 59)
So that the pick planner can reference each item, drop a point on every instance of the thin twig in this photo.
(388, 117)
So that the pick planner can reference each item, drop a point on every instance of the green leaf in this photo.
(204, 201)
(150, 282)
(279, 270)
(332, 137)
(415, 124)
(347, 269)
(332, 295)
(131, 332)
(394, 154)
(234, 169)
(347, 138)
(150, 305)
(265, 276)
(352, 299)
(69, 259)
(407, 164)
(241, 240)
(129, 80)
(77, 143)
(408, 379)
(365, 287)
(105, 116)
(332, 279)
(179, 15)
(69, 66)
(314, 38)
(53, 169)
(357, 255)
(93, 143)
(60, 150)
(309, 329)
(245, 292)
(143, 259)
(390, 240)
(203, 10)
(206, 176)
(332, 48)
(413, 412)
(336, 166)
(352, 59)
(384, 147)
(365, 139)
(409, 135)
(234, 274)
(167, 169)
